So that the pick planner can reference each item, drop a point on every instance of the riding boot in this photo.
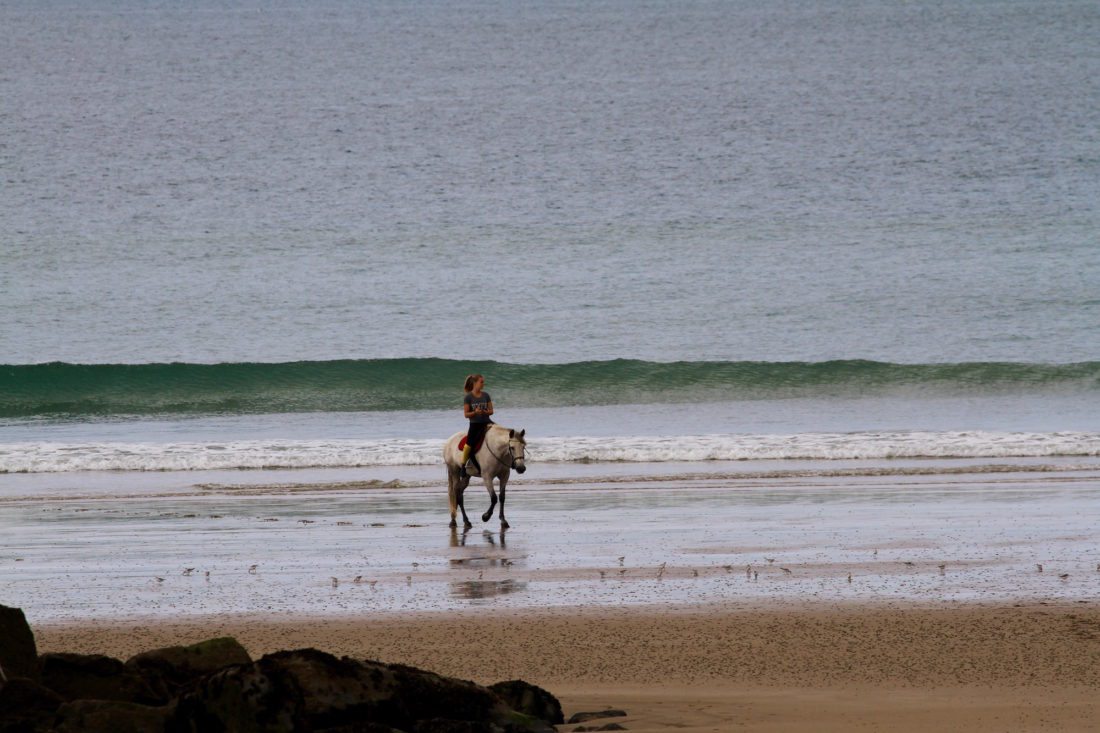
(465, 459)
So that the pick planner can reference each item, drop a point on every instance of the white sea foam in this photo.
(49, 457)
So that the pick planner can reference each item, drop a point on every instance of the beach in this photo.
(974, 667)
(735, 599)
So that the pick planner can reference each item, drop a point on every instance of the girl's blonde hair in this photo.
(469, 387)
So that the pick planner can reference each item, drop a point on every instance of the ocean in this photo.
(243, 235)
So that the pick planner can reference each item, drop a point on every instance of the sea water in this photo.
(250, 235)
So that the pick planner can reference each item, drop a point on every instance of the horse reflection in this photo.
(480, 590)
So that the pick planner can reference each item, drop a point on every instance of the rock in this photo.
(439, 725)
(585, 717)
(530, 700)
(96, 677)
(110, 716)
(26, 705)
(18, 654)
(180, 666)
(309, 690)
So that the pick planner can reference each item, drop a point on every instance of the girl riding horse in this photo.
(477, 406)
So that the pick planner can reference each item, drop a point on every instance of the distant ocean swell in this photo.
(79, 391)
(45, 457)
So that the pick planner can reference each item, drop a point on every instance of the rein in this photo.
(500, 460)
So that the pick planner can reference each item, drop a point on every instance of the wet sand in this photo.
(711, 669)
(872, 535)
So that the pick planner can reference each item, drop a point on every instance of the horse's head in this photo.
(517, 446)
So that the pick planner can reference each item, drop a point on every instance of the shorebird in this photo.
(622, 572)
(909, 564)
(335, 582)
(159, 579)
(506, 563)
(372, 583)
(748, 571)
(849, 577)
(343, 524)
(603, 574)
(416, 565)
(942, 566)
(755, 575)
(305, 521)
(208, 575)
(770, 559)
(1063, 576)
(357, 579)
(875, 553)
(786, 571)
(1039, 567)
(694, 573)
(408, 580)
(621, 558)
(480, 574)
(252, 569)
(728, 568)
(187, 571)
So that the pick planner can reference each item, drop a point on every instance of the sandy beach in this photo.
(924, 595)
(975, 668)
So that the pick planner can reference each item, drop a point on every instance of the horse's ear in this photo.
(511, 433)
(523, 432)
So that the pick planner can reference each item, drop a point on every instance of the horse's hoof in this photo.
(453, 524)
(504, 524)
(486, 517)
(468, 525)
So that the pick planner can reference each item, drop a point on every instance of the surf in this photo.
(63, 390)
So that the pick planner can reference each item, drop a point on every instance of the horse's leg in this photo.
(503, 483)
(452, 477)
(460, 494)
(492, 499)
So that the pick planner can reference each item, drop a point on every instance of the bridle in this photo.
(511, 453)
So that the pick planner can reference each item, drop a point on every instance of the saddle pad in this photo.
(462, 443)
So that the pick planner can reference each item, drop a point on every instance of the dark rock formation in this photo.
(109, 716)
(530, 700)
(585, 717)
(18, 655)
(96, 677)
(26, 705)
(214, 687)
(174, 669)
(309, 690)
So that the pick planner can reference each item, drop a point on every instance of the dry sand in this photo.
(967, 668)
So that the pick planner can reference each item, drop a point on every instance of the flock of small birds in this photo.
(750, 572)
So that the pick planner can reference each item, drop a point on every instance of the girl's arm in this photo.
(468, 411)
(489, 409)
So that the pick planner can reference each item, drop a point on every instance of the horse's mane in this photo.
(497, 426)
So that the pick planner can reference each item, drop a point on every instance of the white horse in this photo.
(502, 450)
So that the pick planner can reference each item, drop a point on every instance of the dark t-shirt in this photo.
(478, 402)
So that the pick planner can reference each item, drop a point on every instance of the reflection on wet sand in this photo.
(479, 590)
(459, 539)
